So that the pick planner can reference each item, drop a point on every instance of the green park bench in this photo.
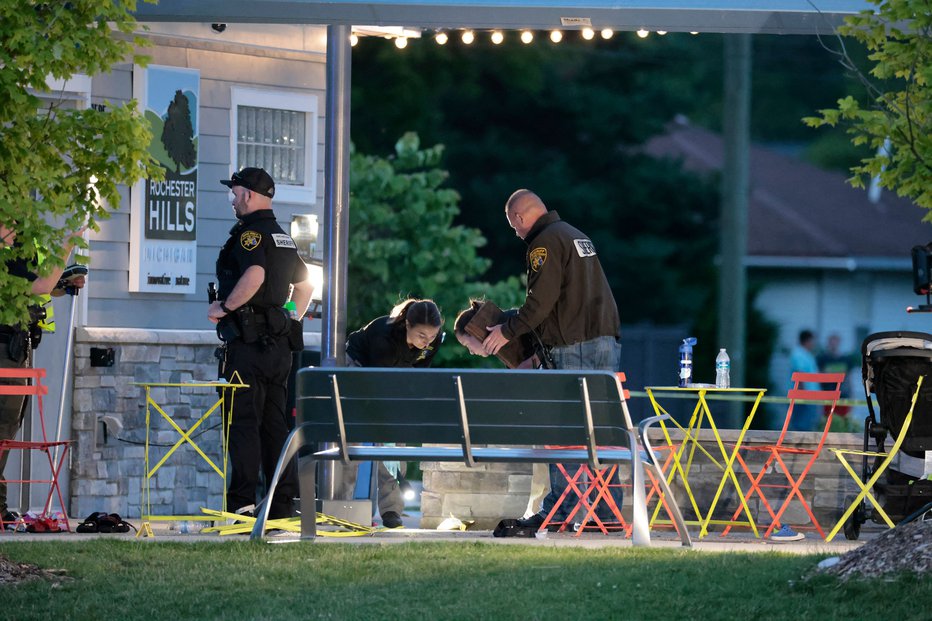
(472, 416)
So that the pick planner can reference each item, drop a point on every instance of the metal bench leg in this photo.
(640, 525)
(296, 439)
(307, 485)
(665, 488)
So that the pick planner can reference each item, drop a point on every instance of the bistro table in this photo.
(224, 405)
(703, 413)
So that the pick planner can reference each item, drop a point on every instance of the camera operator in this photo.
(18, 341)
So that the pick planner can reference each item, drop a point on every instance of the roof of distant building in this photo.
(800, 215)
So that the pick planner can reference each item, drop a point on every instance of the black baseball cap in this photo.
(255, 179)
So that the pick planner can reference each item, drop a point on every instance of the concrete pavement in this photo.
(734, 542)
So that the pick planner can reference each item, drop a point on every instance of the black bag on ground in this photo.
(100, 522)
(511, 528)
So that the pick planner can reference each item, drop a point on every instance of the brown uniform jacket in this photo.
(568, 296)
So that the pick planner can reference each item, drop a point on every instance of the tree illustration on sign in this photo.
(178, 133)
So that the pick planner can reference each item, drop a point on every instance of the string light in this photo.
(497, 37)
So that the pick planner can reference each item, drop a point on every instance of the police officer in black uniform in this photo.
(17, 341)
(258, 269)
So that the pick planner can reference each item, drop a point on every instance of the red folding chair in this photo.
(775, 453)
(35, 387)
(593, 488)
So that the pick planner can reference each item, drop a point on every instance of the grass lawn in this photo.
(120, 580)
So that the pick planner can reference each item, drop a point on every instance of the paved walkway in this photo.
(714, 542)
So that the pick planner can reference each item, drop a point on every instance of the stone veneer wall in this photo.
(109, 423)
(108, 455)
(491, 492)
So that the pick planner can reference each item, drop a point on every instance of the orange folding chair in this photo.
(35, 387)
(776, 452)
(592, 488)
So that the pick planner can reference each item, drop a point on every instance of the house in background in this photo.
(833, 260)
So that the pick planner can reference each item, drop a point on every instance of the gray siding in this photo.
(223, 66)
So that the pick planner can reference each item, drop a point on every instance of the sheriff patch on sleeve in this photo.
(283, 241)
(584, 247)
(250, 240)
(537, 258)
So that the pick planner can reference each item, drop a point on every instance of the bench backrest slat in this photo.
(422, 405)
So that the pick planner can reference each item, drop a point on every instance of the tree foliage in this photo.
(403, 242)
(567, 123)
(897, 122)
(178, 133)
(61, 167)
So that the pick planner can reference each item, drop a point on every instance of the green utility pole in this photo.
(732, 279)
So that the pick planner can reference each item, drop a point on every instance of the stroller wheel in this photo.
(853, 524)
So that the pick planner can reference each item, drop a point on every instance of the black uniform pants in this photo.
(260, 423)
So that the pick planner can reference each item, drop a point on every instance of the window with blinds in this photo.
(274, 140)
(277, 131)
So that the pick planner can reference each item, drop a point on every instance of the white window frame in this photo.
(282, 100)
(77, 88)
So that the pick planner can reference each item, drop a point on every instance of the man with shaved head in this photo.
(569, 304)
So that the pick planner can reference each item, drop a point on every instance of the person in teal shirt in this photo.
(802, 358)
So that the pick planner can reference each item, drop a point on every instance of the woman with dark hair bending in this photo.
(408, 337)
(531, 353)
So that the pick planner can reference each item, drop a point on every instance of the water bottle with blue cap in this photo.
(686, 361)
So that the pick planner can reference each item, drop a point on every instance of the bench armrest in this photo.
(642, 432)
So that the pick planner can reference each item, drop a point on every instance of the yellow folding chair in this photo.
(866, 486)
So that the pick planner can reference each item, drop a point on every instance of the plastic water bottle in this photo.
(722, 369)
(686, 361)
(292, 309)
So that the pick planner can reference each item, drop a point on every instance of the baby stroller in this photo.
(891, 365)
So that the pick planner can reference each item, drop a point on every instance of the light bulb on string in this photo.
(556, 36)
(527, 36)
(661, 32)
(607, 33)
(588, 34)
(643, 33)
(353, 40)
(497, 37)
(401, 43)
(468, 37)
(441, 38)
